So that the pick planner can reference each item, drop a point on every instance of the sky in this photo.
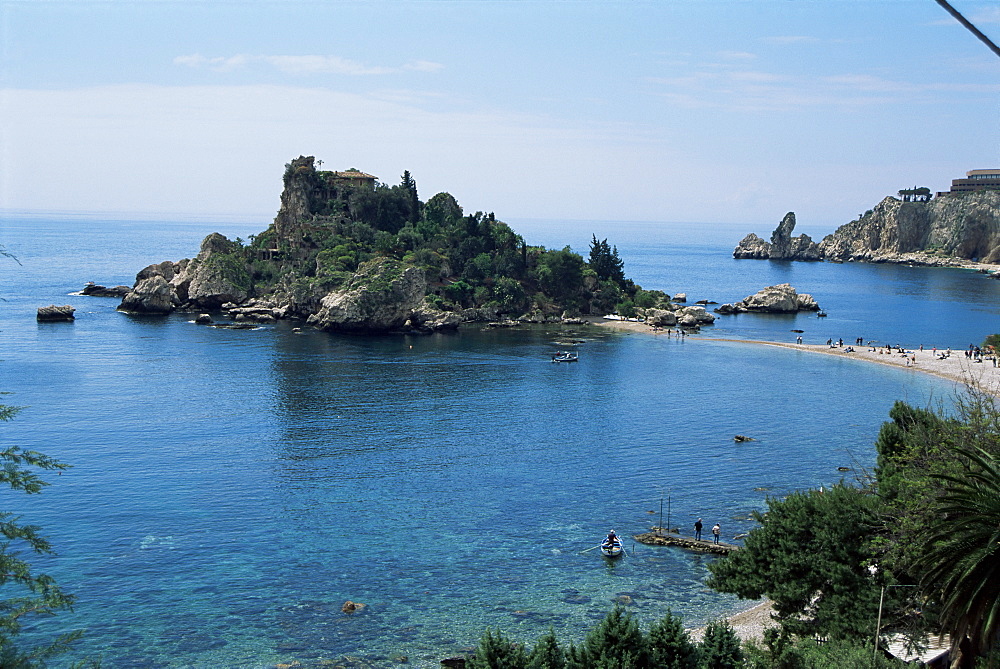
(708, 111)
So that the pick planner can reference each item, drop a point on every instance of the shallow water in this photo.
(231, 489)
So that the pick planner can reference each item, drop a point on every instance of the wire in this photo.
(965, 22)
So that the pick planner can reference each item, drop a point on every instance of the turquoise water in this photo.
(231, 489)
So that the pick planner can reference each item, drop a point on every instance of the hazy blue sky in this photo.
(675, 110)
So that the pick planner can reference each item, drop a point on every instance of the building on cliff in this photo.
(351, 178)
(974, 180)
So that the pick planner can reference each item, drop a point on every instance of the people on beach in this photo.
(715, 532)
(697, 529)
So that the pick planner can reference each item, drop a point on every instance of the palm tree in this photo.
(960, 565)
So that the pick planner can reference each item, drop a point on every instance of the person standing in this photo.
(697, 529)
(715, 532)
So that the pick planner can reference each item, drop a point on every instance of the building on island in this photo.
(974, 180)
(352, 178)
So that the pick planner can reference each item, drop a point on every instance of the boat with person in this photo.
(565, 356)
(612, 545)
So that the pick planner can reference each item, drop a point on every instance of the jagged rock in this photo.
(696, 315)
(53, 313)
(95, 290)
(752, 247)
(426, 317)
(660, 318)
(782, 247)
(215, 276)
(255, 314)
(203, 319)
(152, 295)
(379, 298)
(779, 299)
(166, 269)
(680, 297)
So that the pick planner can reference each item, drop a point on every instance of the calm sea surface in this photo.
(231, 489)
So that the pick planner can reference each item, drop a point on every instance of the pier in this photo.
(687, 543)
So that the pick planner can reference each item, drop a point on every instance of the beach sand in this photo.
(956, 367)
(750, 624)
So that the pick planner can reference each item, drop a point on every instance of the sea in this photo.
(230, 490)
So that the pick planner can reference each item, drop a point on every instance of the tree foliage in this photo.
(28, 593)
(960, 559)
(604, 260)
(721, 648)
(348, 225)
(810, 555)
(668, 645)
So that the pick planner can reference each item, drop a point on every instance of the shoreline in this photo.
(751, 623)
(954, 367)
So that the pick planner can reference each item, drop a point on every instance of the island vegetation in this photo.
(349, 252)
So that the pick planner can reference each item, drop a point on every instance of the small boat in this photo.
(612, 545)
(565, 356)
(821, 314)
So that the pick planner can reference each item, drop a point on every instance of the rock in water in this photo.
(779, 299)
(782, 247)
(95, 290)
(153, 295)
(52, 313)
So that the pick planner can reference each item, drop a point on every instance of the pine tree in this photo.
(547, 654)
(605, 262)
(720, 649)
(669, 646)
(497, 652)
(617, 643)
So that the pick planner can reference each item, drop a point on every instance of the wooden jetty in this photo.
(687, 543)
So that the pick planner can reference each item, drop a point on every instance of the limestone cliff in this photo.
(963, 226)
(959, 226)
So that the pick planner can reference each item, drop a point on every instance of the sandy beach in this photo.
(953, 365)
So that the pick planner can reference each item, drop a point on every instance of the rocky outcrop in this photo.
(662, 318)
(780, 299)
(427, 318)
(96, 290)
(782, 247)
(215, 276)
(53, 313)
(962, 225)
(152, 295)
(381, 296)
(694, 317)
(939, 232)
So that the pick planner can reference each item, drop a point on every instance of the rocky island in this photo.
(946, 230)
(347, 253)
